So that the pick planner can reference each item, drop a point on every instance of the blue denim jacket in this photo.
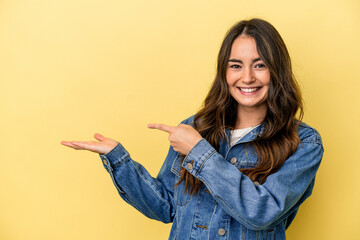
(229, 205)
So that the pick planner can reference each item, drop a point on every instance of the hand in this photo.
(104, 146)
(182, 138)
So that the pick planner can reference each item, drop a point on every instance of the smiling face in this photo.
(247, 76)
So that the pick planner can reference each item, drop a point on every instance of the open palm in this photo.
(103, 145)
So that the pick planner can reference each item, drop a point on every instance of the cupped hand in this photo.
(103, 146)
(182, 138)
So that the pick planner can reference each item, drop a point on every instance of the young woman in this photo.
(241, 167)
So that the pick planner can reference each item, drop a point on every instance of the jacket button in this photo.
(221, 232)
(189, 166)
(233, 160)
(105, 162)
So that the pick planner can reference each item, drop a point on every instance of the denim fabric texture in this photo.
(229, 205)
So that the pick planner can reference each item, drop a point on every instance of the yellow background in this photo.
(71, 68)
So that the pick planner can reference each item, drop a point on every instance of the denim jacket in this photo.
(228, 205)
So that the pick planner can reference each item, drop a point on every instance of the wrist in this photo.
(194, 143)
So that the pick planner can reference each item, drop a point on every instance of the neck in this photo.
(249, 117)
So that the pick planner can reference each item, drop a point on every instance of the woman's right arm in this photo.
(151, 196)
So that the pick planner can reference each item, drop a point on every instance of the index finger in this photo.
(161, 127)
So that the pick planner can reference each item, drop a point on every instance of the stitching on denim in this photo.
(177, 220)
(235, 214)
(133, 203)
(121, 161)
(202, 164)
(115, 183)
(313, 133)
(312, 142)
(317, 142)
(232, 210)
(270, 234)
(175, 172)
(176, 197)
(118, 144)
(151, 186)
(193, 218)
(227, 227)
(243, 228)
(257, 235)
(191, 151)
(212, 216)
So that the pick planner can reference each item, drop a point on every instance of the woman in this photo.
(239, 168)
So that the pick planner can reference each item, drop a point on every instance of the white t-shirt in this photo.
(237, 134)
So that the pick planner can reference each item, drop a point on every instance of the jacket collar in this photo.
(250, 136)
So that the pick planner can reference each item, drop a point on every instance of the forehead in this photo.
(244, 47)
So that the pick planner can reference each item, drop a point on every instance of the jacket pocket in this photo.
(270, 234)
(181, 198)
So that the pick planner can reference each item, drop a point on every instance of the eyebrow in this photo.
(239, 61)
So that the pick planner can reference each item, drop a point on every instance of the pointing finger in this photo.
(161, 127)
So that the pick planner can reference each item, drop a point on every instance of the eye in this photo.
(260, 65)
(235, 66)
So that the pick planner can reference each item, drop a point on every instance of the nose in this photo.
(248, 75)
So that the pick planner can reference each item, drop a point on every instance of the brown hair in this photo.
(278, 139)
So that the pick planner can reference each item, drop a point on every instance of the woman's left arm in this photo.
(257, 206)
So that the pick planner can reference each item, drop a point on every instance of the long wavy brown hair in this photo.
(278, 139)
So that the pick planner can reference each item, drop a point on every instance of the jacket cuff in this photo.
(115, 157)
(197, 157)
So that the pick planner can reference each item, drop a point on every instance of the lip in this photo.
(249, 93)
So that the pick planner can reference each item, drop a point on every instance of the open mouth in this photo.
(249, 90)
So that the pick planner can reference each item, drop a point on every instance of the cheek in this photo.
(267, 86)
(227, 77)
(266, 93)
(230, 79)
(266, 78)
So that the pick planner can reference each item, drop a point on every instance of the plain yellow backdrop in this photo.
(71, 68)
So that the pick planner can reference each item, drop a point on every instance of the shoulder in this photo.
(308, 134)
(310, 149)
(189, 121)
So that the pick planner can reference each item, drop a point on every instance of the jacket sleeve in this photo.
(151, 196)
(257, 206)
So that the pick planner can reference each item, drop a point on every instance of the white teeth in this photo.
(249, 90)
